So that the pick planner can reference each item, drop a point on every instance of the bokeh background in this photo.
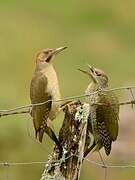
(101, 33)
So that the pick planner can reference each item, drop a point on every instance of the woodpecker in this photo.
(44, 87)
(104, 111)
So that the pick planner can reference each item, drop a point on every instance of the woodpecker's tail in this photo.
(51, 134)
(89, 149)
(40, 134)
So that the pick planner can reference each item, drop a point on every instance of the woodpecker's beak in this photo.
(85, 72)
(90, 72)
(58, 50)
(55, 52)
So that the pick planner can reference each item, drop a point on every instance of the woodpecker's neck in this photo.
(92, 87)
(43, 66)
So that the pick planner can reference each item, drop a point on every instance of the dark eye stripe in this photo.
(98, 74)
(48, 59)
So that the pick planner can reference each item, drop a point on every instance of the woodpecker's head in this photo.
(45, 56)
(97, 75)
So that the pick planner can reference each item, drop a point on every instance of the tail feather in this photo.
(40, 134)
(36, 133)
(50, 133)
(89, 149)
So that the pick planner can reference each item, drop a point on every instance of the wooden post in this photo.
(72, 136)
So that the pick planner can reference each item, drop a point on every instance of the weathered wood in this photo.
(72, 136)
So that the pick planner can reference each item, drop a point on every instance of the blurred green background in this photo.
(101, 33)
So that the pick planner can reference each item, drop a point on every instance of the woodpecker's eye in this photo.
(46, 53)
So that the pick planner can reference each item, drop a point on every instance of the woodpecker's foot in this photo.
(62, 107)
(89, 149)
(68, 103)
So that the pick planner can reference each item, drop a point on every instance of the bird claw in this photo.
(67, 104)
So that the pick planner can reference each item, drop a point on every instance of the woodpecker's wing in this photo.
(109, 113)
(38, 94)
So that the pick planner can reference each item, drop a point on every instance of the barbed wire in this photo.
(67, 98)
(8, 164)
(109, 166)
(11, 111)
(102, 165)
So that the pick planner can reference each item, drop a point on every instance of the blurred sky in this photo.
(99, 33)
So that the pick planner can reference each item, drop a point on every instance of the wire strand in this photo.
(109, 166)
(64, 99)
(98, 164)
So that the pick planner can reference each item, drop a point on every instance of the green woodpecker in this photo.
(104, 111)
(45, 88)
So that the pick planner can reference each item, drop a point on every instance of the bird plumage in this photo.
(45, 88)
(104, 119)
(104, 111)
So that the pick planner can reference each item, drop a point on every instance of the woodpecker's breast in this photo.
(91, 89)
(53, 90)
